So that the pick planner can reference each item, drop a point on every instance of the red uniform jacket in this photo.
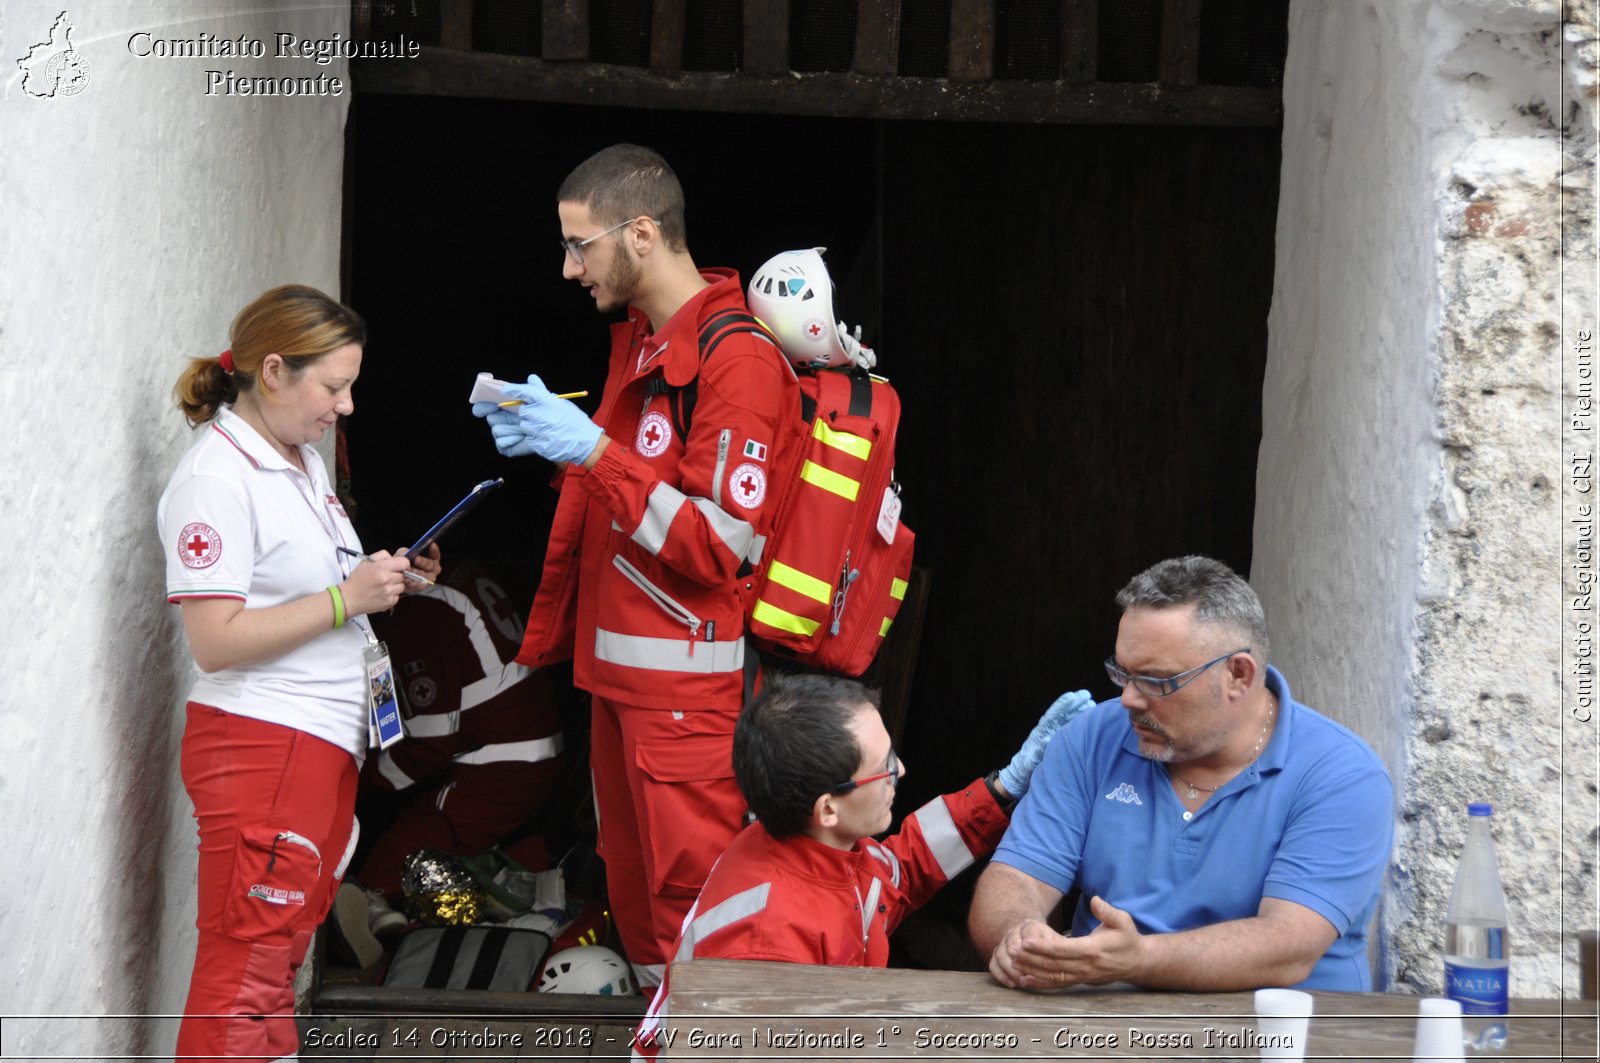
(800, 901)
(640, 583)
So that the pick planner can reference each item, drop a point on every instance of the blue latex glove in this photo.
(1014, 776)
(545, 425)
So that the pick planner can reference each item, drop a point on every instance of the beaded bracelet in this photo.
(338, 606)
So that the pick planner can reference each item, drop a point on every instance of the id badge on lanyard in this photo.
(384, 726)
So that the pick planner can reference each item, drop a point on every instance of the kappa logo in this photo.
(199, 545)
(749, 485)
(1126, 794)
(655, 433)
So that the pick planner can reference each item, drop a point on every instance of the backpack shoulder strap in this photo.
(712, 333)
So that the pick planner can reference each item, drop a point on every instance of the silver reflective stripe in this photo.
(741, 905)
(387, 768)
(722, 465)
(888, 857)
(437, 725)
(528, 751)
(664, 503)
(758, 546)
(869, 909)
(943, 839)
(735, 534)
(668, 655)
(649, 974)
(349, 848)
(668, 604)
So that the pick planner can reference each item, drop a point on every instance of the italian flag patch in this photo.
(755, 450)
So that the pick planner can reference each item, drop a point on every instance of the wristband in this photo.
(1005, 803)
(338, 605)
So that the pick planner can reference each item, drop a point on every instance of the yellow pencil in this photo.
(563, 395)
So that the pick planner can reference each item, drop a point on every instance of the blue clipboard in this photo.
(461, 509)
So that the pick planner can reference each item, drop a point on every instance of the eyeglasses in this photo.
(893, 775)
(575, 247)
(1155, 686)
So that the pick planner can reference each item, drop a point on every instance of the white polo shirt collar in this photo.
(261, 454)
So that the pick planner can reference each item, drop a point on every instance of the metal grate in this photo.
(417, 19)
(925, 39)
(1130, 40)
(1244, 42)
(822, 36)
(619, 32)
(1027, 39)
(713, 36)
(509, 27)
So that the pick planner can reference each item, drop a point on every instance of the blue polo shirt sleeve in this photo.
(1336, 843)
(1050, 824)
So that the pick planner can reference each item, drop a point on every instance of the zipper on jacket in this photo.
(847, 579)
(294, 839)
(722, 465)
(668, 604)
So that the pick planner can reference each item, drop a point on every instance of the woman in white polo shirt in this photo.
(267, 570)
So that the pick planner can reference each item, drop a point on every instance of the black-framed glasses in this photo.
(575, 247)
(892, 774)
(1156, 686)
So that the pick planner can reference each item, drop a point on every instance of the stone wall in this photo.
(139, 215)
(1437, 158)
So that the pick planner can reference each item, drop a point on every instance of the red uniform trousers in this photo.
(668, 806)
(276, 809)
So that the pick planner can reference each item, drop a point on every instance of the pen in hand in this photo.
(407, 573)
(563, 395)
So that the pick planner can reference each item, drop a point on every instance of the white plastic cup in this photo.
(1283, 1019)
(1439, 1031)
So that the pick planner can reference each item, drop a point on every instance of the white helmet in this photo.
(792, 294)
(587, 969)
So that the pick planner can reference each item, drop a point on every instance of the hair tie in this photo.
(226, 359)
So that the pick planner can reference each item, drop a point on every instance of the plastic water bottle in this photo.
(1477, 947)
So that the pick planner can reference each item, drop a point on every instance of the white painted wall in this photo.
(1408, 525)
(136, 217)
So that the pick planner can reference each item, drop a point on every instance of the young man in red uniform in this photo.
(805, 883)
(641, 584)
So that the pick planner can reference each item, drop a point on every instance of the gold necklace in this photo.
(1194, 791)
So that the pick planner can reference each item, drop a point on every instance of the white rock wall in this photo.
(136, 216)
(1409, 528)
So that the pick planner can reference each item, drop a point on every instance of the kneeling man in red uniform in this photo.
(806, 883)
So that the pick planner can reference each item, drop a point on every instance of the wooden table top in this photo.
(726, 1009)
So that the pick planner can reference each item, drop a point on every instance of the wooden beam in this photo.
(971, 40)
(766, 36)
(877, 37)
(668, 21)
(441, 72)
(1080, 40)
(1180, 44)
(455, 24)
(566, 30)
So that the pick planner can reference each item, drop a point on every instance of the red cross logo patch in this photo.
(655, 433)
(748, 485)
(199, 545)
(816, 330)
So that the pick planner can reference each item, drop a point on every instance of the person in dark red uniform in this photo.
(483, 744)
(641, 584)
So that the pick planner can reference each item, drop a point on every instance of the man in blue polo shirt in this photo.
(1222, 835)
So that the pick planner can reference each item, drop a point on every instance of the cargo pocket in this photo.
(692, 808)
(275, 873)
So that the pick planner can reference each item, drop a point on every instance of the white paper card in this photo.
(889, 515)
(487, 389)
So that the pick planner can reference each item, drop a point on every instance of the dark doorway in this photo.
(1074, 316)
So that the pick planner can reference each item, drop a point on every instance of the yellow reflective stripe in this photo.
(853, 445)
(897, 590)
(829, 480)
(884, 630)
(783, 620)
(799, 582)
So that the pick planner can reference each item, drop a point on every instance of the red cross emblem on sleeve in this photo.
(199, 545)
(655, 433)
(748, 485)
